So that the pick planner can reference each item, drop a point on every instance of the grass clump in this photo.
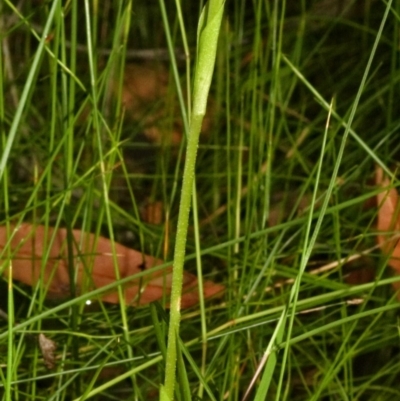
(95, 110)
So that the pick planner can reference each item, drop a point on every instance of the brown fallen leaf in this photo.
(146, 98)
(152, 212)
(388, 223)
(94, 266)
(47, 348)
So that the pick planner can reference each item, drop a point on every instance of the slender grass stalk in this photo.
(11, 344)
(99, 140)
(27, 89)
(262, 393)
(10, 312)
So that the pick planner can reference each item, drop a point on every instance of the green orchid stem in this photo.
(179, 255)
(207, 38)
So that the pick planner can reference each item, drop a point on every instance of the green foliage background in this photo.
(284, 209)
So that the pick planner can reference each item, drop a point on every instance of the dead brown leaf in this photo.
(153, 212)
(143, 84)
(94, 266)
(388, 223)
(145, 89)
(47, 348)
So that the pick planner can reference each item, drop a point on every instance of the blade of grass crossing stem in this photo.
(104, 182)
(270, 360)
(200, 284)
(174, 66)
(7, 381)
(207, 39)
(201, 377)
(29, 85)
(308, 246)
(262, 391)
(332, 181)
(10, 350)
(184, 385)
